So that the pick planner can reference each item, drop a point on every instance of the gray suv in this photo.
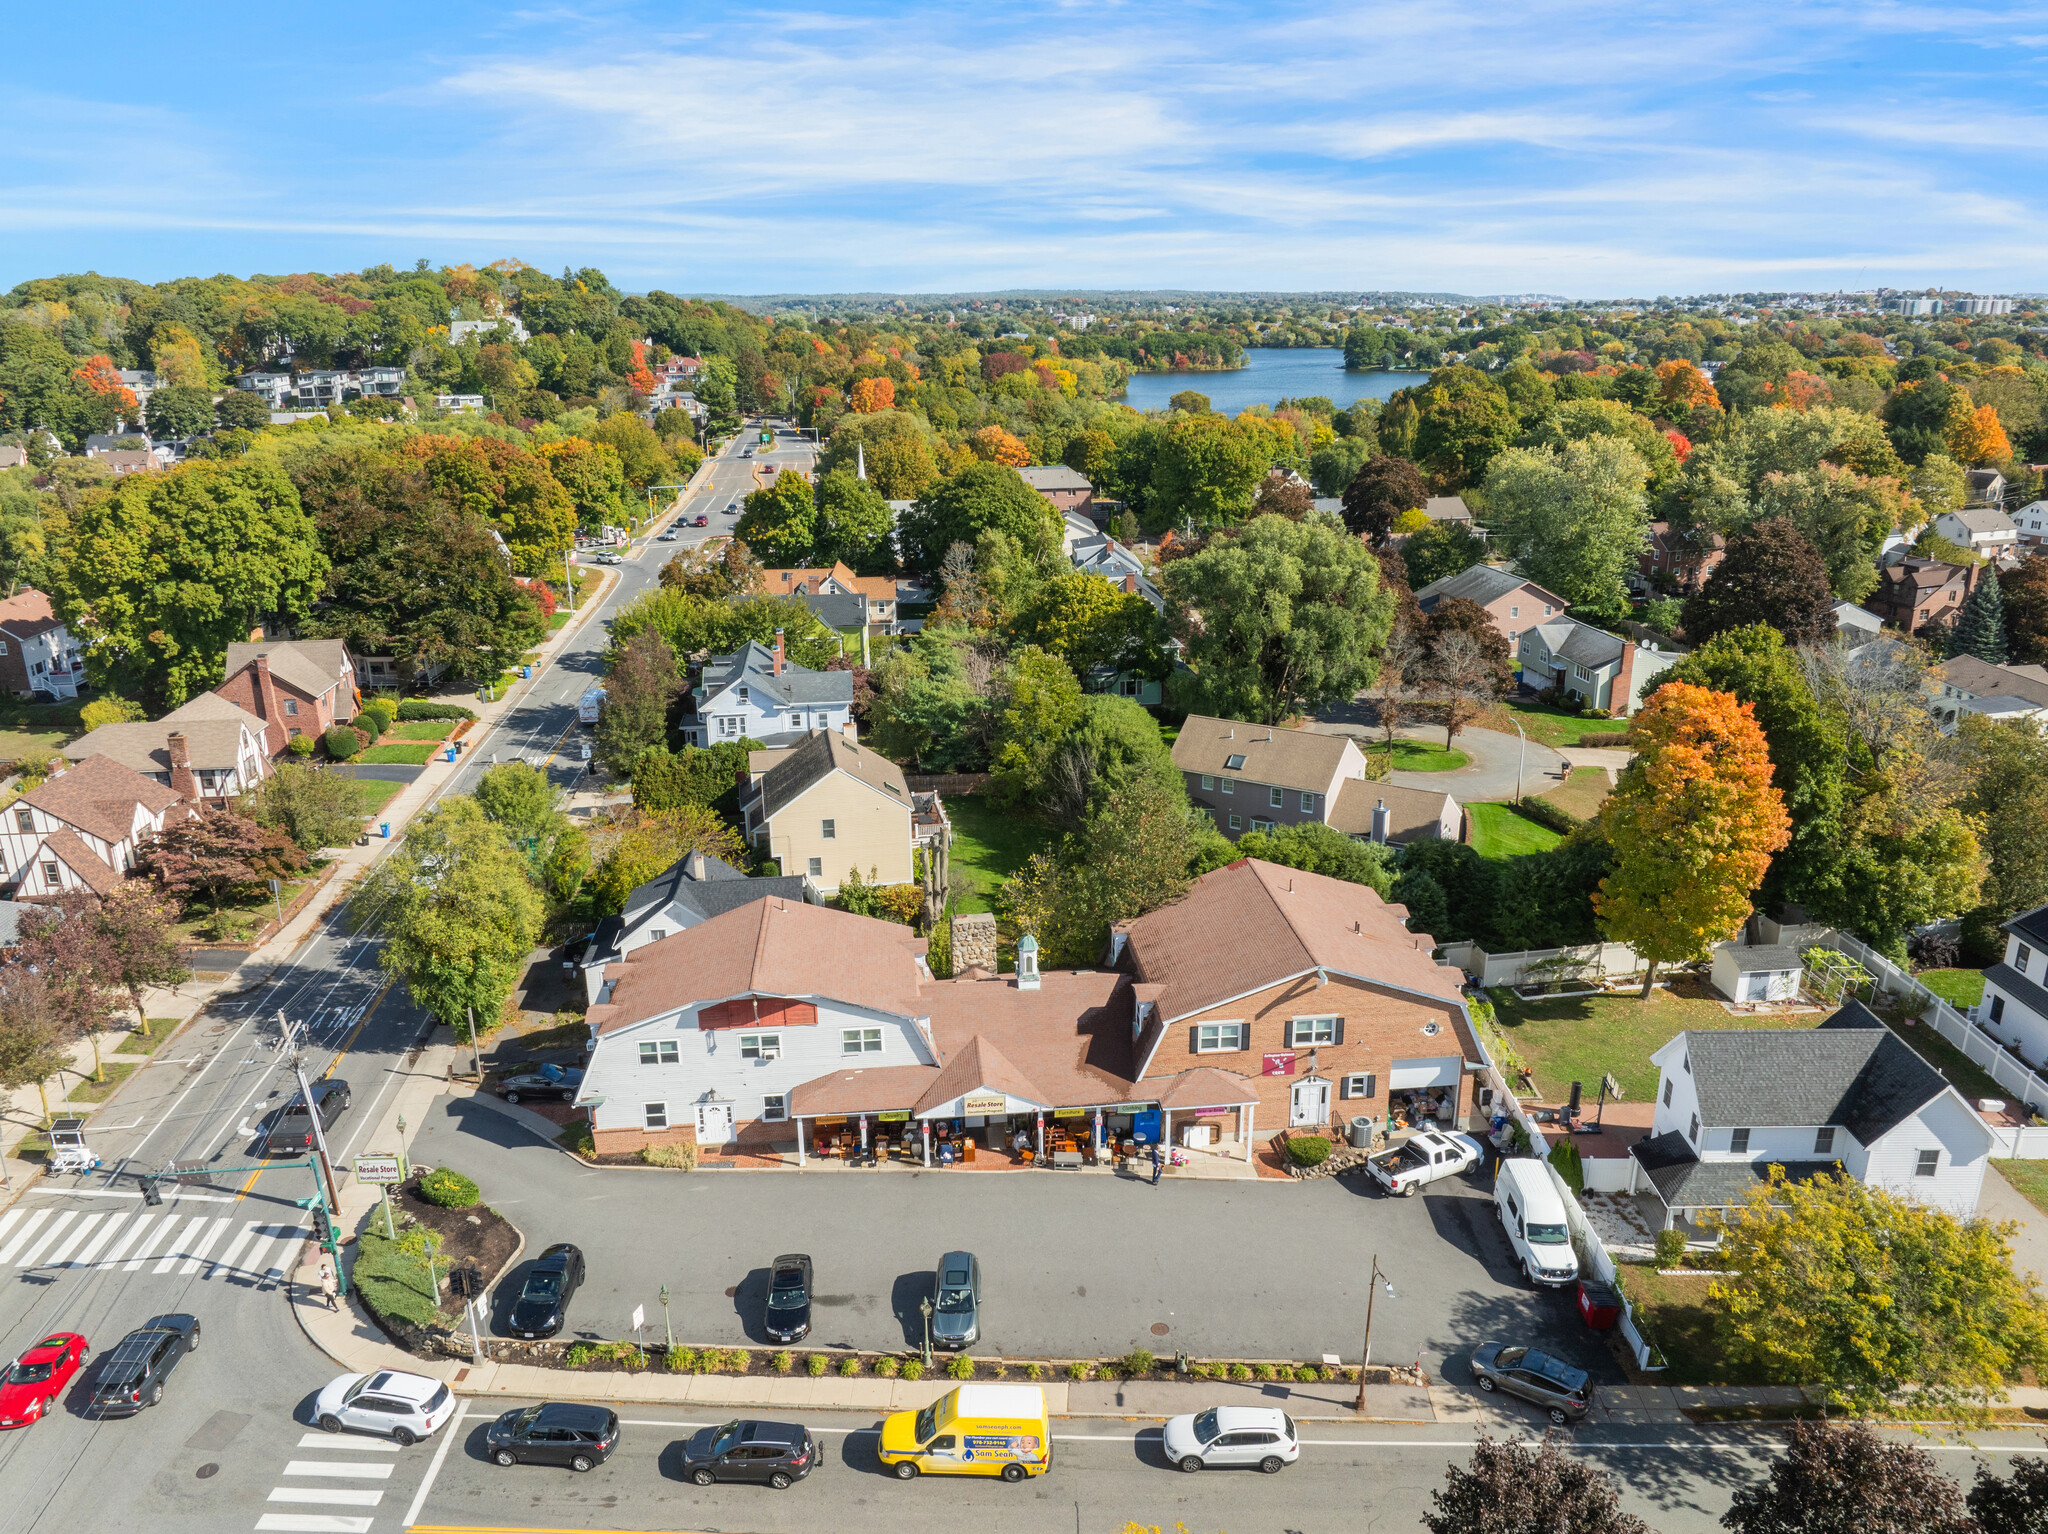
(956, 1314)
(1564, 1393)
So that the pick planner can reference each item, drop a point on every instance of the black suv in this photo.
(544, 1300)
(775, 1453)
(132, 1372)
(291, 1130)
(555, 1433)
(789, 1299)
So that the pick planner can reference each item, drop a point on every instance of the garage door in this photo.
(1410, 1074)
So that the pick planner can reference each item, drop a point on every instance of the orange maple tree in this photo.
(1693, 823)
(99, 374)
(871, 394)
(1681, 444)
(639, 375)
(1973, 432)
(992, 444)
(1684, 388)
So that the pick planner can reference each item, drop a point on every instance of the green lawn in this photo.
(2028, 1178)
(1963, 1073)
(421, 729)
(160, 1028)
(1679, 1319)
(376, 793)
(1578, 1038)
(17, 742)
(116, 1072)
(1960, 988)
(411, 753)
(1582, 793)
(1422, 756)
(1554, 727)
(1501, 831)
(989, 845)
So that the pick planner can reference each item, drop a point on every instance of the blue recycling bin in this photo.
(526, 672)
(1145, 1127)
(451, 753)
(384, 829)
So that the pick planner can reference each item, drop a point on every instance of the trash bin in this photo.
(384, 829)
(1361, 1132)
(1600, 1305)
(526, 672)
(451, 753)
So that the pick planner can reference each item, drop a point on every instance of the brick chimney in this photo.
(270, 707)
(184, 782)
(1624, 682)
(778, 652)
(1130, 585)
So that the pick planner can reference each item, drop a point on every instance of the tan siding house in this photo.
(829, 805)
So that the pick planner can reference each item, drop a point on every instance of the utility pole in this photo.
(569, 566)
(298, 1060)
(1365, 1362)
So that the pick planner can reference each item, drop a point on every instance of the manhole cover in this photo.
(1160, 1328)
(732, 1290)
(207, 1472)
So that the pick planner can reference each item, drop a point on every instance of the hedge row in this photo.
(1604, 738)
(419, 708)
(1544, 813)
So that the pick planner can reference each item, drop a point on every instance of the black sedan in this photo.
(774, 1454)
(554, 1433)
(132, 1372)
(543, 1302)
(1565, 1393)
(789, 1299)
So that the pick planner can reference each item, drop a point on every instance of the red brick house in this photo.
(1678, 561)
(1915, 592)
(295, 686)
(1067, 489)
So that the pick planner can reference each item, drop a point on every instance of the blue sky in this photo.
(1589, 150)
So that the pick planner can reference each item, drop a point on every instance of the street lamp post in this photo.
(665, 1323)
(1365, 1362)
(1521, 757)
(925, 1305)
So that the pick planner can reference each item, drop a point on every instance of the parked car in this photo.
(1565, 1393)
(132, 1373)
(390, 1403)
(789, 1299)
(35, 1380)
(554, 1433)
(1424, 1158)
(544, 1298)
(549, 1080)
(1232, 1437)
(775, 1453)
(291, 1129)
(956, 1308)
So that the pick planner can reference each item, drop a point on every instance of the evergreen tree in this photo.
(1981, 629)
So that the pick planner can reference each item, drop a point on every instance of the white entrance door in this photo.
(1310, 1105)
(714, 1123)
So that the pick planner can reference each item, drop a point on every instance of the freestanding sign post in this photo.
(383, 1170)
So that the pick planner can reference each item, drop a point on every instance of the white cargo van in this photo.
(589, 706)
(1532, 1213)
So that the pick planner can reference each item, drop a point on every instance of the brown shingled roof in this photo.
(1253, 924)
(1207, 1087)
(1070, 1038)
(770, 947)
(71, 850)
(879, 1089)
(1409, 810)
(1298, 759)
(99, 796)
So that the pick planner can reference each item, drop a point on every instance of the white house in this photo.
(2031, 522)
(690, 891)
(1848, 1097)
(37, 651)
(1973, 686)
(2015, 1006)
(82, 829)
(760, 694)
(209, 748)
(1983, 530)
(1757, 972)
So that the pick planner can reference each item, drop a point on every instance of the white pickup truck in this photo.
(589, 706)
(1424, 1158)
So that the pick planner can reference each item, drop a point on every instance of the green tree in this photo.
(138, 943)
(1843, 514)
(1833, 1283)
(1207, 470)
(591, 475)
(655, 844)
(2007, 764)
(1807, 753)
(1042, 707)
(1772, 575)
(180, 411)
(642, 458)
(1116, 743)
(1333, 467)
(1280, 619)
(1463, 422)
(164, 571)
(1980, 631)
(703, 776)
(780, 521)
(506, 484)
(854, 524)
(1574, 517)
(892, 445)
(1088, 623)
(315, 809)
(239, 410)
(1322, 849)
(33, 1043)
(690, 623)
(1578, 419)
(24, 540)
(641, 682)
(1440, 550)
(928, 709)
(521, 799)
(458, 913)
(959, 509)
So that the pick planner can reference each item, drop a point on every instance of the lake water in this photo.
(1270, 375)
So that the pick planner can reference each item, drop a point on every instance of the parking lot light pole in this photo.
(1366, 1362)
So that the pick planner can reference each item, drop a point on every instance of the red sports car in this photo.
(35, 1380)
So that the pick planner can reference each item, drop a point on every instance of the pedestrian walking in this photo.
(1158, 1165)
(329, 1289)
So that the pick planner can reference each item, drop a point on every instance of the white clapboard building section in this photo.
(172, 1240)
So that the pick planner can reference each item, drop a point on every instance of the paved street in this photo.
(1073, 1264)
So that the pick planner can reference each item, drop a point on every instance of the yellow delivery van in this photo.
(972, 1430)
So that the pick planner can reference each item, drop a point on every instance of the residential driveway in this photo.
(1491, 774)
(1074, 1265)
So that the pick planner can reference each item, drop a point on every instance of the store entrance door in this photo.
(1310, 1104)
(714, 1123)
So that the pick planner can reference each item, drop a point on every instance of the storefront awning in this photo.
(1208, 1087)
(1409, 1075)
(881, 1089)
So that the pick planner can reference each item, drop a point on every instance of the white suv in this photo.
(1229, 1436)
(402, 1407)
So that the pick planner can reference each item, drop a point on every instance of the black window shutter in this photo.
(1194, 1039)
(1337, 1035)
(1343, 1086)
(1372, 1082)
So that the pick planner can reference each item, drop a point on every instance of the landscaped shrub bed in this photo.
(1308, 1150)
(420, 708)
(449, 1189)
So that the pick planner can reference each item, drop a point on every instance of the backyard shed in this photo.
(1760, 972)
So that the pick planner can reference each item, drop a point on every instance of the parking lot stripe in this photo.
(326, 1496)
(339, 1441)
(449, 1434)
(352, 1469)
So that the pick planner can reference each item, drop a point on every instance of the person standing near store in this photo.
(1158, 1165)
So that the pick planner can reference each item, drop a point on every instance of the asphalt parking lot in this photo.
(1074, 1265)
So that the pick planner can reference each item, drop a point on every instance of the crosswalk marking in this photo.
(326, 1496)
(162, 1228)
(34, 1220)
(350, 1441)
(7, 1222)
(196, 1253)
(351, 1469)
(171, 1257)
(142, 1222)
(60, 1255)
(311, 1523)
(91, 1249)
(227, 1258)
(35, 1252)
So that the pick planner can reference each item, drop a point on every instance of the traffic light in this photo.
(150, 1195)
(323, 1228)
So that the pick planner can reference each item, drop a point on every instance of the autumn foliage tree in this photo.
(1383, 488)
(1771, 574)
(992, 444)
(1682, 388)
(1693, 823)
(871, 394)
(1510, 1488)
(1973, 432)
(1847, 1480)
(216, 852)
(99, 374)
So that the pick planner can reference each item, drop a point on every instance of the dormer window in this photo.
(740, 692)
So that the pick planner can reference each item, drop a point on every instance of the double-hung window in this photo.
(2022, 958)
(1308, 804)
(1276, 797)
(828, 830)
(1694, 1133)
(816, 868)
(760, 1046)
(1208, 782)
(1824, 1141)
(728, 727)
(658, 1052)
(1227, 785)
(860, 1041)
(1738, 1141)
(655, 1115)
(1213, 1038)
(1929, 1163)
(1236, 822)
(1304, 1031)
(774, 1110)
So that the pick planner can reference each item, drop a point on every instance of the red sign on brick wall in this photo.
(1277, 1065)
